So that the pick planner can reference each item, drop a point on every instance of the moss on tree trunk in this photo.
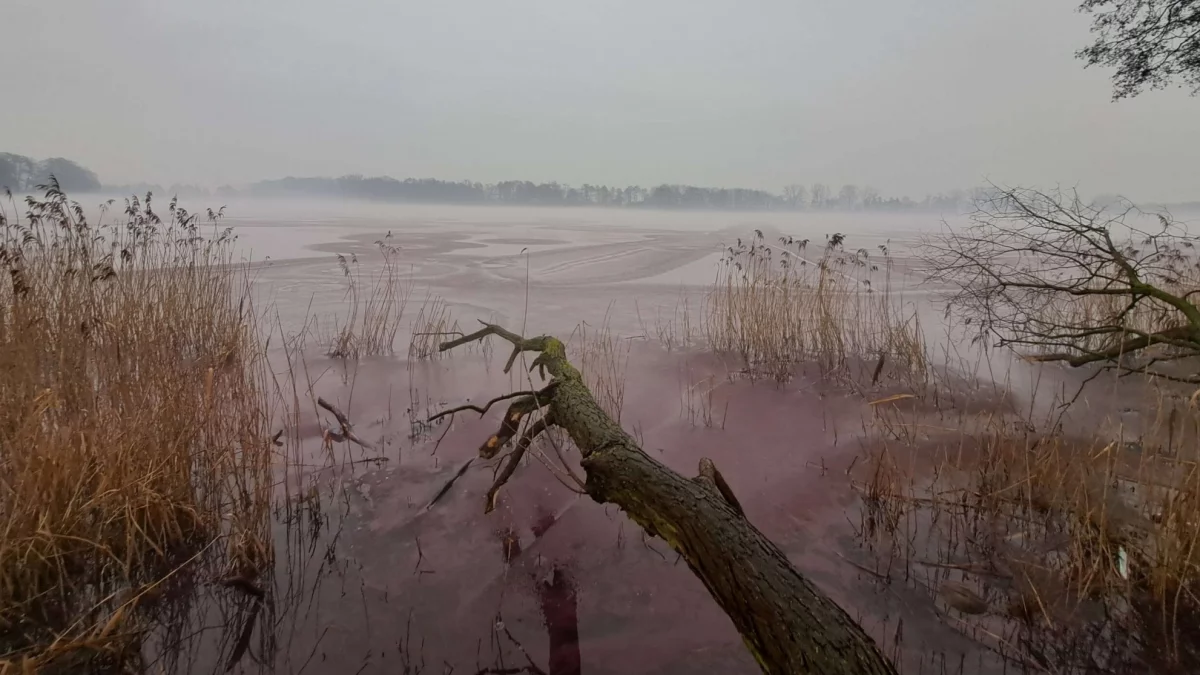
(787, 623)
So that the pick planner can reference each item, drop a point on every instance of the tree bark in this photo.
(787, 623)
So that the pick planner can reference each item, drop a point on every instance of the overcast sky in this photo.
(910, 96)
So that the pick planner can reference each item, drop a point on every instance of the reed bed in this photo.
(777, 309)
(1059, 551)
(134, 434)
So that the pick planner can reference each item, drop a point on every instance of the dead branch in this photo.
(519, 343)
(536, 393)
(511, 424)
(788, 624)
(709, 475)
(1066, 281)
(514, 458)
(344, 422)
(1168, 336)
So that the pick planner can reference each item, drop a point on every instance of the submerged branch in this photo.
(344, 422)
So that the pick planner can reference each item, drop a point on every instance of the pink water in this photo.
(550, 582)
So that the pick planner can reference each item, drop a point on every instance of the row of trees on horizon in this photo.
(22, 175)
(667, 196)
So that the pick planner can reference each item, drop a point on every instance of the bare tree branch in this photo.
(344, 422)
(1150, 43)
(514, 458)
(1068, 281)
(543, 393)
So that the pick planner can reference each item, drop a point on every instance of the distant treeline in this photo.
(795, 197)
(20, 174)
(526, 193)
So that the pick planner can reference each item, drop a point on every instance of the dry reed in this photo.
(374, 313)
(1087, 547)
(433, 323)
(603, 358)
(133, 423)
(777, 310)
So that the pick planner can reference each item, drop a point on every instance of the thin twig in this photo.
(536, 393)
(872, 572)
(450, 483)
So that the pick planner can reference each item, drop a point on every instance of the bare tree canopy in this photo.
(1063, 280)
(1151, 43)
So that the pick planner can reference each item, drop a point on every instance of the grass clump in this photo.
(433, 323)
(375, 312)
(133, 422)
(778, 309)
(603, 359)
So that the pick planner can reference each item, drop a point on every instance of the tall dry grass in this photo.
(133, 422)
(433, 323)
(696, 401)
(603, 358)
(674, 332)
(376, 304)
(1060, 551)
(777, 309)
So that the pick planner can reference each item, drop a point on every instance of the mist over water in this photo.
(571, 263)
(719, 208)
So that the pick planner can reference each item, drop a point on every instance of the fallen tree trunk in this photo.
(788, 624)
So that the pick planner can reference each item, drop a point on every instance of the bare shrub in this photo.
(1061, 280)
